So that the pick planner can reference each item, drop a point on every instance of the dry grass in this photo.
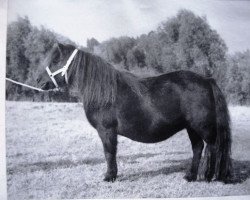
(53, 152)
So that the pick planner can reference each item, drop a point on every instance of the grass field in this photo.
(53, 152)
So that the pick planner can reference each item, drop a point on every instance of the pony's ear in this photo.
(55, 45)
(59, 47)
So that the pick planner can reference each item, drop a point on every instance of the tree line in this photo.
(183, 42)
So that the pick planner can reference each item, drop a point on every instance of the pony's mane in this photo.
(97, 80)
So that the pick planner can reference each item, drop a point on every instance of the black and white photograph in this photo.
(127, 99)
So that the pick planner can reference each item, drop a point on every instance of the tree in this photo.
(37, 45)
(152, 49)
(115, 50)
(17, 62)
(190, 40)
(136, 57)
(238, 78)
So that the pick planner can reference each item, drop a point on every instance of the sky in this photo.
(103, 19)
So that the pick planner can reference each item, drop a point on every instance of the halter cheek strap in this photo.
(62, 70)
(52, 75)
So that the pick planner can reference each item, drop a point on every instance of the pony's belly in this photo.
(151, 134)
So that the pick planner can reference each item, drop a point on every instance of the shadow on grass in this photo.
(68, 163)
(241, 168)
(175, 166)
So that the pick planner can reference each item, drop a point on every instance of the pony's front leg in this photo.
(109, 141)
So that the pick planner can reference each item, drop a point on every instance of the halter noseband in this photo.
(62, 70)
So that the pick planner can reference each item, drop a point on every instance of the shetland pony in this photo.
(147, 110)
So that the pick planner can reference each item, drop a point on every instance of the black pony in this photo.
(146, 110)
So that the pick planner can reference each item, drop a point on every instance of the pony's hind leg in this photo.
(210, 156)
(109, 141)
(197, 147)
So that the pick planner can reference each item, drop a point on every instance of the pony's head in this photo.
(93, 78)
(54, 74)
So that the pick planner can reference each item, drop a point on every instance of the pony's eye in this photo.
(56, 59)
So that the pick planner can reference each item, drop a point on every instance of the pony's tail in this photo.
(223, 166)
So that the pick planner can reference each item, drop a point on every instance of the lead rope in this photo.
(25, 85)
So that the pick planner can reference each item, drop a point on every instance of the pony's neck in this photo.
(93, 80)
(74, 72)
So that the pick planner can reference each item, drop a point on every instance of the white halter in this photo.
(62, 70)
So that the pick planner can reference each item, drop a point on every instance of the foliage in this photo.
(185, 41)
(17, 35)
(115, 50)
(238, 78)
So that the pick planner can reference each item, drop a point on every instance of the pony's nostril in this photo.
(38, 80)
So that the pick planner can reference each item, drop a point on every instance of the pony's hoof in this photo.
(110, 178)
(227, 180)
(208, 178)
(190, 177)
